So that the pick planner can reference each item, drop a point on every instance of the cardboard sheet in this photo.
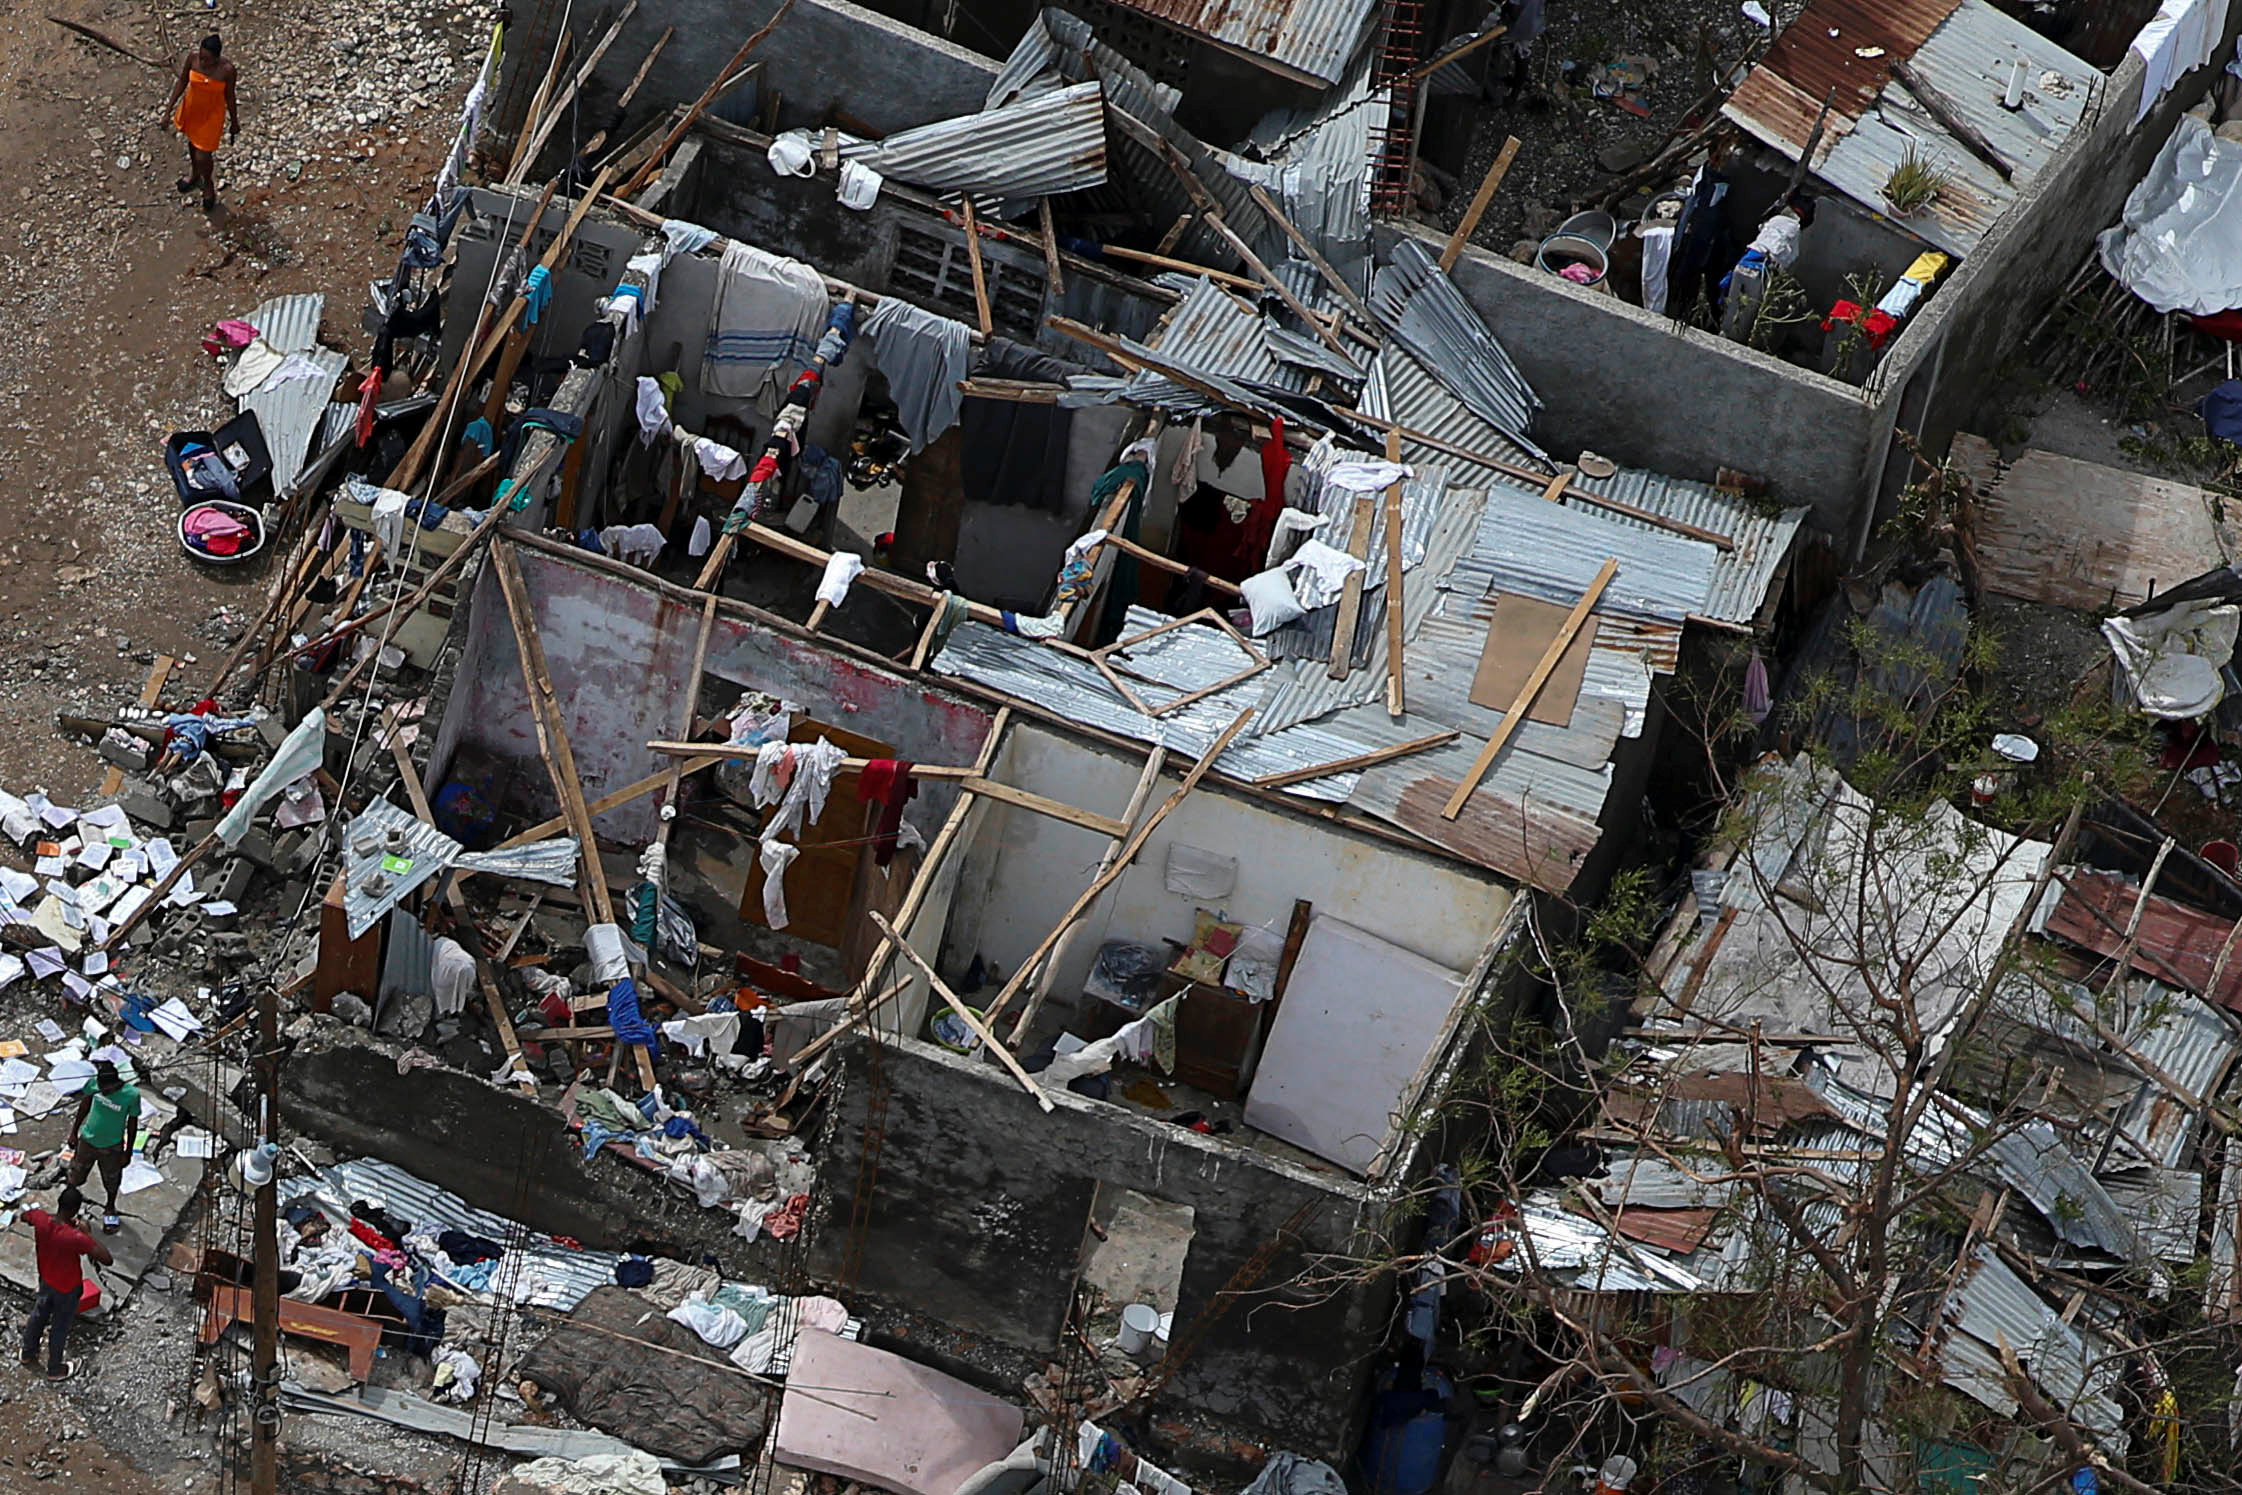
(1522, 629)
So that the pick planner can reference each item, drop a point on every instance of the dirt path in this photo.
(108, 278)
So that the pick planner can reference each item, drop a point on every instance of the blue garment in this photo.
(479, 431)
(537, 291)
(821, 474)
(597, 1134)
(2221, 410)
(623, 1016)
(685, 1126)
(190, 735)
(430, 513)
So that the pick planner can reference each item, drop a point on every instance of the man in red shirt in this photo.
(62, 1281)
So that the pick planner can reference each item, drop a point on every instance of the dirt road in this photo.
(108, 278)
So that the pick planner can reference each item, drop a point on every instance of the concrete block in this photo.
(199, 831)
(234, 882)
(125, 750)
(150, 809)
(272, 729)
(257, 846)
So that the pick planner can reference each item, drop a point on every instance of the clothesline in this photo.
(750, 749)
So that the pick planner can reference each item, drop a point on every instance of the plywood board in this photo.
(1360, 1017)
(1521, 629)
(2077, 534)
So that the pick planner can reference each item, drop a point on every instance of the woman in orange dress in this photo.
(201, 107)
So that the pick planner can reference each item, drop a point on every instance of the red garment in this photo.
(368, 393)
(371, 1236)
(60, 1248)
(1878, 324)
(2226, 324)
(886, 782)
(1261, 519)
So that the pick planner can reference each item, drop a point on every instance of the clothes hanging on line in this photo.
(841, 569)
(887, 782)
(768, 315)
(924, 358)
(775, 855)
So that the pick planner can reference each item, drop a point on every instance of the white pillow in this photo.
(1269, 599)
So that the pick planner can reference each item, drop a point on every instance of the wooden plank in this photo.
(1370, 759)
(1397, 701)
(1166, 261)
(1120, 864)
(1350, 596)
(519, 333)
(1057, 277)
(1168, 564)
(965, 1014)
(150, 693)
(637, 788)
(2083, 536)
(537, 100)
(980, 275)
(1300, 241)
(1154, 761)
(862, 1001)
(630, 91)
(1526, 693)
(716, 86)
(1104, 825)
(1479, 200)
(558, 109)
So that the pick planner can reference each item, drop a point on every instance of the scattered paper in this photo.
(17, 1073)
(77, 985)
(11, 967)
(219, 908)
(48, 1029)
(195, 1144)
(57, 816)
(176, 1020)
(106, 815)
(11, 1183)
(161, 858)
(140, 1174)
(53, 866)
(124, 908)
(13, 1048)
(72, 1073)
(95, 963)
(17, 885)
(45, 963)
(39, 1099)
(96, 856)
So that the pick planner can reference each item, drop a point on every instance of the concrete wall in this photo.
(1648, 392)
(1981, 317)
(619, 647)
(829, 60)
(496, 1149)
(1026, 869)
(976, 1224)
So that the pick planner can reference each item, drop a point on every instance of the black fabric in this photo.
(597, 346)
(1015, 453)
(467, 1249)
(1002, 358)
(673, 1405)
(382, 1220)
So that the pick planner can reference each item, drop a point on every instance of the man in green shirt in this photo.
(108, 1125)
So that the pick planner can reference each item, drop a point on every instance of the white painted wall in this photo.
(1025, 869)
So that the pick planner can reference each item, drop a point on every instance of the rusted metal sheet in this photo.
(1667, 1229)
(2176, 943)
(1305, 39)
(1821, 51)
(2079, 535)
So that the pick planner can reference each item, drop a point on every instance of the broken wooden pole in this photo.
(1523, 701)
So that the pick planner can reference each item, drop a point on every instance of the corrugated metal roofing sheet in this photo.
(400, 848)
(2164, 1204)
(1316, 161)
(549, 1275)
(1051, 143)
(1431, 318)
(1821, 51)
(1061, 46)
(1655, 1183)
(1968, 57)
(1402, 390)
(1208, 331)
(1539, 549)
(2190, 1042)
(1992, 1305)
(1315, 37)
(289, 412)
(1741, 576)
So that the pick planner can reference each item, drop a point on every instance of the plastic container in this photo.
(1595, 225)
(192, 519)
(1139, 1323)
(1560, 250)
(1616, 1475)
(2224, 855)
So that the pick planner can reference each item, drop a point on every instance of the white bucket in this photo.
(1139, 1322)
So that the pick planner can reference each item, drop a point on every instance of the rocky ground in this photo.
(108, 278)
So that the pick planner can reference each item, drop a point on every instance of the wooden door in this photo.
(821, 883)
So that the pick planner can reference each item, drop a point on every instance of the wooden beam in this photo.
(1300, 241)
(1370, 759)
(1455, 53)
(150, 693)
(862, 1002)
(557, 110)
(1057, 277)
(1350, 595)
(1397, 695)
(1186, 267)
(1153, 763)
(965, 1014)
(636, 789)
(178, 870)
(1211, 212)
(1169, 564)
(879, 581)
(537, 100)
(716, 86)
(560, 758)
(973, 260)
(1120, 864)
(1523, 701)
(1527, 474)
(1479, 200)
(1104, 825)
(516, 325)
(630, 91)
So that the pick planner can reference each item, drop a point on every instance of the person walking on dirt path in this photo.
(201, 107)
(107, 1126)
(62, 1247)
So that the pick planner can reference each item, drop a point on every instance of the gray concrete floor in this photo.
(1139, 1259)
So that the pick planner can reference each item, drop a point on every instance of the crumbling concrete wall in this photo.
(497, 1149)
(1977, 322)
(619, 646)
(978, 1213)
(1648, 392)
